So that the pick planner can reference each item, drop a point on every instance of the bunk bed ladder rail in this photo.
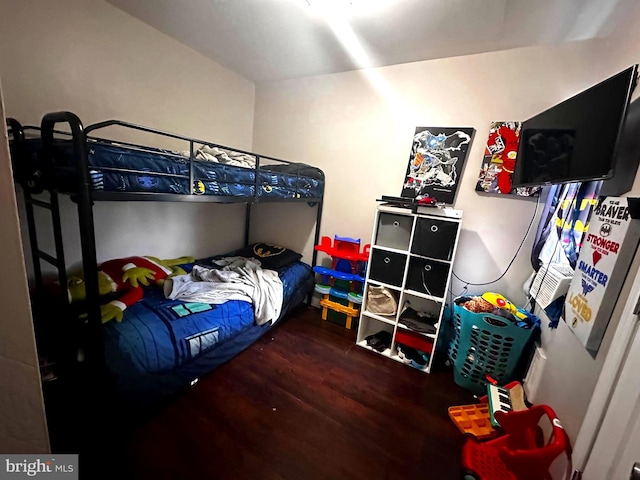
(18, 157)
(94, 353)
(53, 205)
(316, 236)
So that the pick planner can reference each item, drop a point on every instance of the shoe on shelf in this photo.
(409, 355)
(406, 353)
(403, 357)
(420, 361)
(379, 341)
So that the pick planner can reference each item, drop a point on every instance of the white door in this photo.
(617, 442)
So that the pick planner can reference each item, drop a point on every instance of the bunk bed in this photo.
(146, 355)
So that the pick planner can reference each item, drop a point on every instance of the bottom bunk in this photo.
(161, 346)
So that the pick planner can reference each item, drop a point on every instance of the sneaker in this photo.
(406, 353)
(420, 361)
(409, 355)
(406, 360)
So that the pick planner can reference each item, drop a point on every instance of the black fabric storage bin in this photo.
(428, 276)
(387, 267)
(434, 238)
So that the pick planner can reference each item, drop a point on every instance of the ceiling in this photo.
(268, 40)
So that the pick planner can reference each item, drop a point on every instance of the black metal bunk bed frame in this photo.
(84, 196)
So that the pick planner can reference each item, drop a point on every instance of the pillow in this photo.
(271, 256)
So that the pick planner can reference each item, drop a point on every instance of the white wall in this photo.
(358, 127)
(91, 58)
(23, 427)
(361, 137)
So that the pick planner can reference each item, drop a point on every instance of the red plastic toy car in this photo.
(426, 200)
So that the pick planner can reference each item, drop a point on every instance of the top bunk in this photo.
(81, 159)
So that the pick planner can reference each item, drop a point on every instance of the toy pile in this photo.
(341, 284)
(497, 304)
(509, 443)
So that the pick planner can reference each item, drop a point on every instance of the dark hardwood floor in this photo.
(305, 403)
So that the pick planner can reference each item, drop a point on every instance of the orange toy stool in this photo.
(520, 453)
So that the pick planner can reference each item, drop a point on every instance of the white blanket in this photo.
(239, 279)
(219, 155)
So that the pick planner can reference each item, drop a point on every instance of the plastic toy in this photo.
(520, 454)
(341, 285)
(426, 200)
(473, 420)
(500, 301)
(476, 419)
(526, 318)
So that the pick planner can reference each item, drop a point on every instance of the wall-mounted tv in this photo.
(577, 139)
(627, 155)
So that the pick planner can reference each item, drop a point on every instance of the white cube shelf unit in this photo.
(412, 255)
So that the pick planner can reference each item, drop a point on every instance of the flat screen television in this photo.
(577, 139)
(627, 155)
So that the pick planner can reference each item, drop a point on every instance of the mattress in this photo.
(162, 344)
(117, 168)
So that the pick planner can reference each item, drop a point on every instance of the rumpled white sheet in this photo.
(240, 279)
(220, 155)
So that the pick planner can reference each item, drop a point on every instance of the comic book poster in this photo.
(499, 161)
(436, 162)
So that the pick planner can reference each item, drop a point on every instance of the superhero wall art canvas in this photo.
(499, 161)
(436, 162)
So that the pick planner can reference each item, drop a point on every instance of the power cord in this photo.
(466, 284)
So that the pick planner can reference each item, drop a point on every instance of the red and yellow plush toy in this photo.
(126, 276)
(499, 300)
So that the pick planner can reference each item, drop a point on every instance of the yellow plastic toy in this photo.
(500, 301)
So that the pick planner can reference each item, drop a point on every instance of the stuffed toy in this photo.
(500, 301)
(125, 276)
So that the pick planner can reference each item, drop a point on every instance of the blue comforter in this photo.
(117, 168)
(159, 335)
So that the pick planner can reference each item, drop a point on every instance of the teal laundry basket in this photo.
(484, 344)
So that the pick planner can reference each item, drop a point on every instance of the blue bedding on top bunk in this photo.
(163, 344)
(116, 168)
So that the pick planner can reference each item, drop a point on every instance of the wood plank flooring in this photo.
(305, 403)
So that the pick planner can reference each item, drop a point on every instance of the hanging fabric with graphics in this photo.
(562, 229)
(564, 223)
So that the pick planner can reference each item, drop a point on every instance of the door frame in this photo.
(611, 377)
